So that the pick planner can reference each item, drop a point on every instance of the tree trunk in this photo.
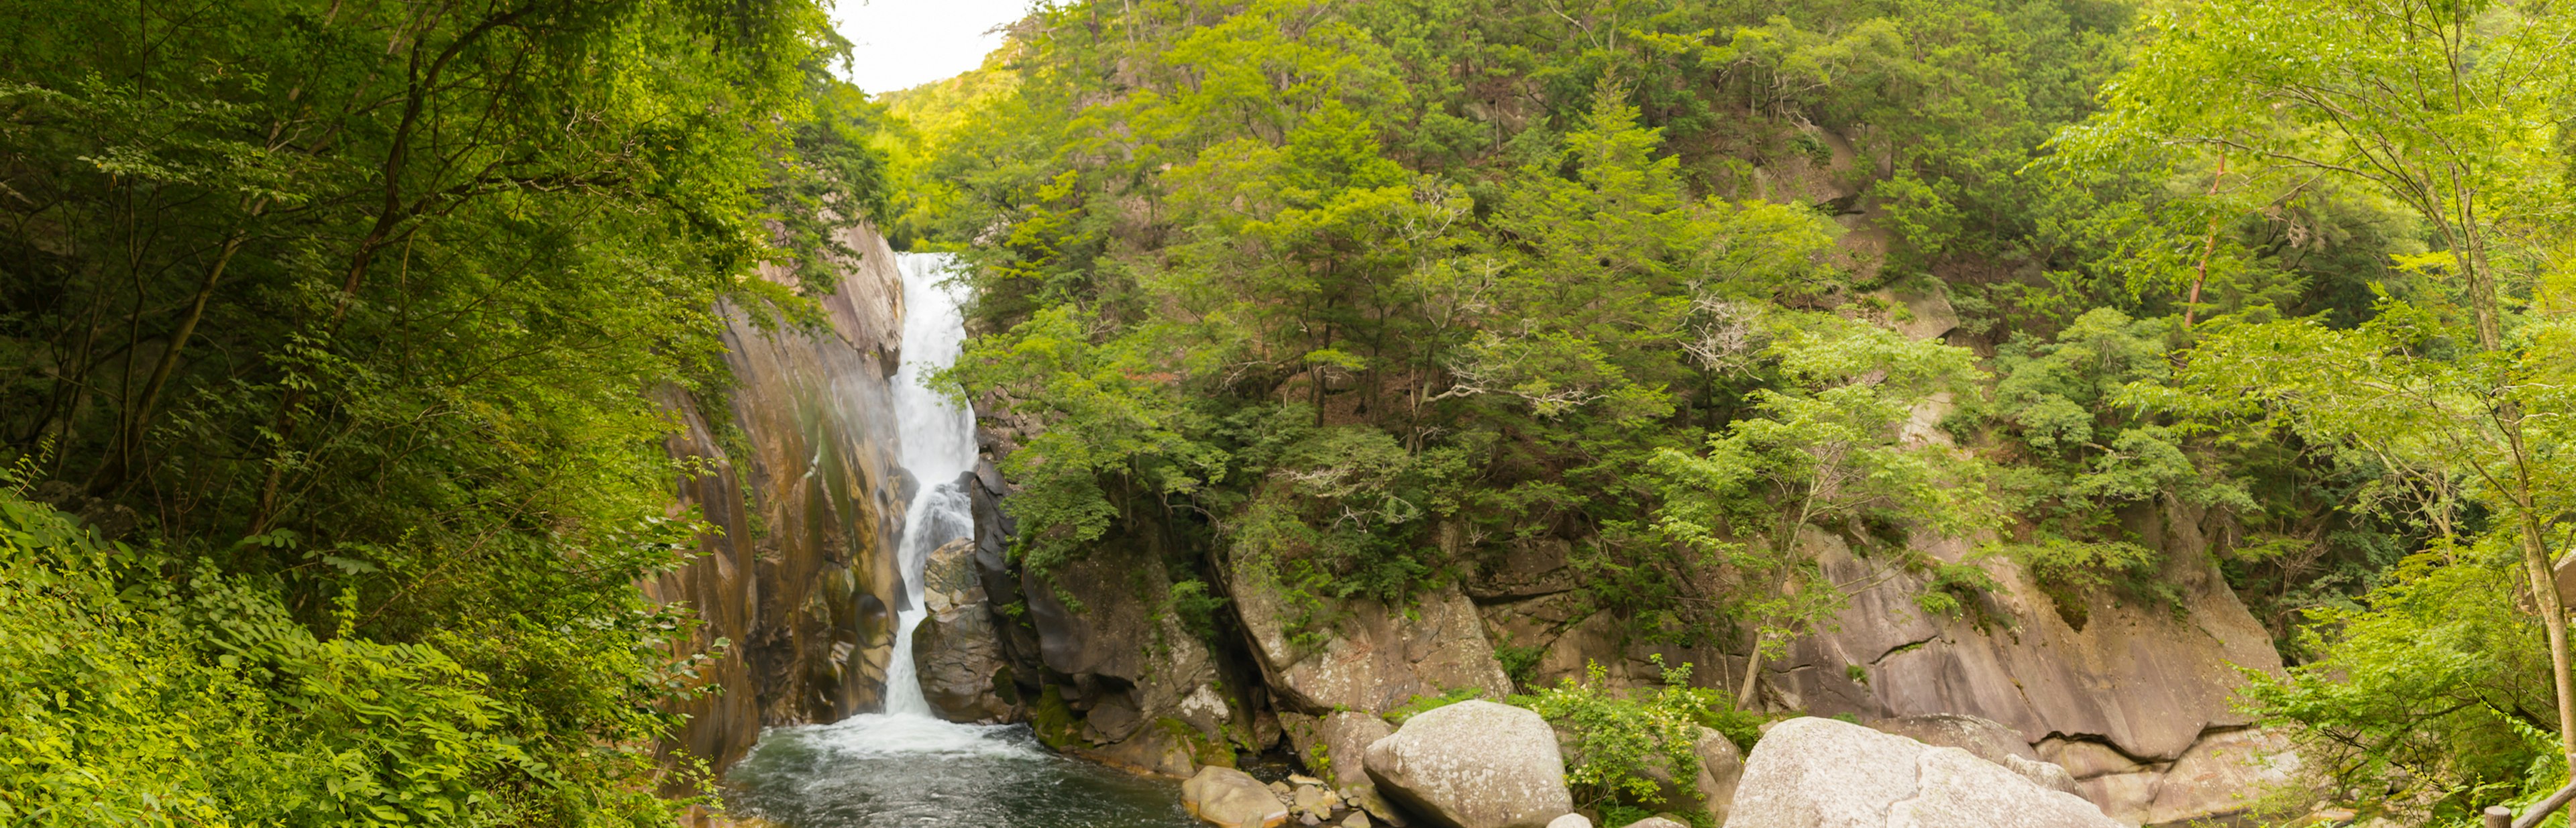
(2553, 617)
(1752, 674)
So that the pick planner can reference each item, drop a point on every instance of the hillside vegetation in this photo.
(341, 316)
(329, 333)
(1365, 294)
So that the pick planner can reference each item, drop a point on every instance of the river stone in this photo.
(1364, 796)
(1345, 737)
(1474, 764)
(1230, 798)
(1314, 800)
(1822, 773)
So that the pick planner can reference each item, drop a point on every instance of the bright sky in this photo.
(906, 43)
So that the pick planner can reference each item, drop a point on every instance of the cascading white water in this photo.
(905, 768)
(938, 445)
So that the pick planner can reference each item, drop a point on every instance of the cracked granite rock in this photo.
(1823, 773)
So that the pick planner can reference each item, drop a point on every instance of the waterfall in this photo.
(906, 768)
(937, 445)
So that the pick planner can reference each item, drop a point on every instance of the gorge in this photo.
(1450, 413)
(954, 700)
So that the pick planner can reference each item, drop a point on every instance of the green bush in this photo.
(1625, 741)
(134, 698)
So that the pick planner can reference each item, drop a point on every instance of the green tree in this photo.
(2449, 109)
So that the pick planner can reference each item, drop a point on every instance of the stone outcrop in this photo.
(1474, 764)
(1335, 744)
(957, 648)
(1367, 656)
(2138, 684)
(1125, 682)
(2223, 773)
(1822, 773)
(804, 487)
(1230, 798)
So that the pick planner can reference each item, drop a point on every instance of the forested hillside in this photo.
(342, 317)
(1363, 296)
(339, 345)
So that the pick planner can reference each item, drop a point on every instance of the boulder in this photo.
(1230, 798)
(1570, 821)
(1658, 821)
(957, 649)
(1721, 769)
(2048, 775)
(1375, 658)
(1364, 796)
(1344, 738)
(1986, 738)
(1983, 738)
(1822, 773)
(1474, 764)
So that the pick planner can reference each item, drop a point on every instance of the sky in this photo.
(906, 43)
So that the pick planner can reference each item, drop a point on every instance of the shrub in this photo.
(1625, 743)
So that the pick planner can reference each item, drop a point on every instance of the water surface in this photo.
(901, 771)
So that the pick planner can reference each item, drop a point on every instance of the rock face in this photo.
(1230, 798)
(1474, 764)
(957, 649)
(2143, 681)
(2221, 774)
(802, 578)
(1822, 773)
(1335, 744)
(1124, 681)
(1374, 658)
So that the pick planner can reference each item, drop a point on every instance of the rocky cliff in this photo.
(794, 469)
(2132, 696)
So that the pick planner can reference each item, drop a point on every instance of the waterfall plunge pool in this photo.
(904, 768)
(909, 771)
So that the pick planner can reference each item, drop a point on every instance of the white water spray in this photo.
(937, 445)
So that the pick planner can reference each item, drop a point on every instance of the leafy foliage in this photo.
(355, 310)
(1630, 750)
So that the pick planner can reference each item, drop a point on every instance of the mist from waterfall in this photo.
(938, 445)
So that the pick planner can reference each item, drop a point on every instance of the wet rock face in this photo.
(1133, 686)
(1474, 764)
(799, 473)
(1373, 658)
(957, 649)
(1822, 773)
